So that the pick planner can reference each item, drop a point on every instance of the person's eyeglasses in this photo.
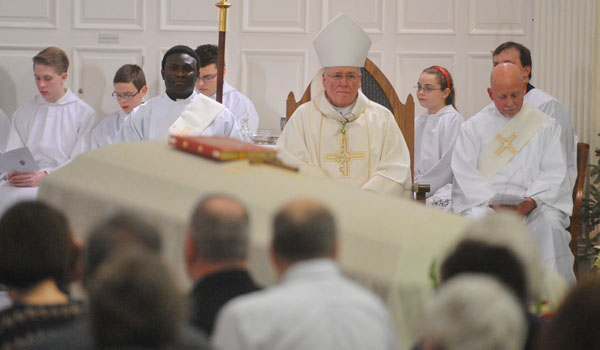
(337, 77)
(207, 78)
(118, 96)
(425, 89)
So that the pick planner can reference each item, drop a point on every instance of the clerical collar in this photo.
(529, 87)
(178, 99)
(346, 112)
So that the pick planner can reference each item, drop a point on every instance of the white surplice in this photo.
(152, 120)
(4, 127)
(313, 307)
(239, 104)
(105, 132)
(55, 133)
(376, 157)
(435, 135)
(552, 107)
(536, 171)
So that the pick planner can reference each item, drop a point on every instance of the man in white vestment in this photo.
(314, 306)
(340, 134)
(4, 126)
(55, 126)
(240, 105)
(519, 55)
(180, 110)
(507, 156)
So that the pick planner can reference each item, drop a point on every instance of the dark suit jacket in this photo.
(213, 291)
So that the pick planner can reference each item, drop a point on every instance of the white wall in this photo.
(269, 45)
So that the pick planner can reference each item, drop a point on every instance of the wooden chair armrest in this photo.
(421, 191)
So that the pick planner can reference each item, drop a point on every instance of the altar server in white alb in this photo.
(55, 126)
(180, 110)
(340, 134)
(435, 134)
(240, 105)
(4, 127)
(314, 306)
(130, 88)
(507, 156)
(519, 55)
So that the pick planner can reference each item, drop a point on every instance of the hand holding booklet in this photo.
(506, 199)
(19, 159)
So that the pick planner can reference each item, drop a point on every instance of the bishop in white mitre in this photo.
(180, 110)
(340, 134)
(508, 156)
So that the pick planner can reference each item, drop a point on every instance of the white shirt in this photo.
(239, 104)
(56, 132)
(314, 307)
(151, 121)
(379, 158)
(105, 132)
(4, 128)
(435, 135)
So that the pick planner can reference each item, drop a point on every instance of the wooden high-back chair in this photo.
(379, 89)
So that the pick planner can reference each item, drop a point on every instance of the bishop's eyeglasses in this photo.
(338, 77)
(125, 96)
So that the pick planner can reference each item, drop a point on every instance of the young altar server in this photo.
(130, 88)
(435, 134)
(4, 127)
(55, 126)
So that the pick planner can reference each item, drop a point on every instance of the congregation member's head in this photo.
(501, 246)
(516, 54)
(134, 303)
(207, 77)
(576, 324)
(474, 313)
(179, 70)
(218, 236)
(302, 230)
(36, 248)
(119, 232)
(50, 68)
(342, 47)
(130, 86)
(435, 89)
(507, 89)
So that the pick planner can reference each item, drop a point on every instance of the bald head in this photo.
(219, 229)
(507, 89)
(304, 229)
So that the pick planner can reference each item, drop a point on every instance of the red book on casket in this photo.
(221, 148)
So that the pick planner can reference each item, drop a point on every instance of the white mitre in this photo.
(342, 43)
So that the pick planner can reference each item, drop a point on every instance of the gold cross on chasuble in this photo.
(183, 132)
(506, 144)
(344, 156)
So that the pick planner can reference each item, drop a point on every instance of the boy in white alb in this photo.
(130, 88)
(55, 126)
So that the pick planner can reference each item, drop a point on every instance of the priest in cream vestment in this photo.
(340, 134)
(509, 156)
(180, 110)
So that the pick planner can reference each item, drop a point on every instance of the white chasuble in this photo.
(366, 151)
(537, 171)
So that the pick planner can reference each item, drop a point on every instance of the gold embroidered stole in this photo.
(198, 115)
(510, 140)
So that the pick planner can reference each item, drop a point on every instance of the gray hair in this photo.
(304, 229)
(474, 312)
(219, 228)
